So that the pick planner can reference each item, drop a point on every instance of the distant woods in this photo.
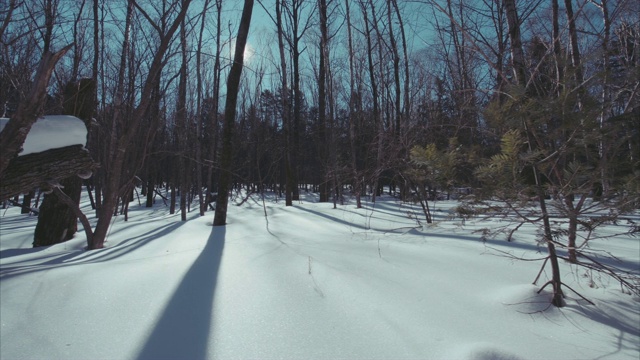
(339, 97)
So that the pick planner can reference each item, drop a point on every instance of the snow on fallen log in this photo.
(52, 131)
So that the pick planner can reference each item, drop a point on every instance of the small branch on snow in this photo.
(535, 281)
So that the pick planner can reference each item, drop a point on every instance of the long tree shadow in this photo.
(183, 330)
(48, 261)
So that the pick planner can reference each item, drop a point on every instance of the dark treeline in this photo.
(339, 97)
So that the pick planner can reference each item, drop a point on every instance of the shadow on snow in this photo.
(48, 261)
(183, 329)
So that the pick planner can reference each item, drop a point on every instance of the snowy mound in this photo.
(481, 351)
(52, 131)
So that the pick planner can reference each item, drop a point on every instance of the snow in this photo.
(52, 131)
(305, 282)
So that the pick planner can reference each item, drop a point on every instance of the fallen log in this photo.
(38, 170)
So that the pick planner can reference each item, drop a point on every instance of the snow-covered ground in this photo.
(304, 282)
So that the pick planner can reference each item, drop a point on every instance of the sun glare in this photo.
(248, 52)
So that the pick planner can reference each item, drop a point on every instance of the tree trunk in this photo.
(182, 128)
(57, 222)
(150, 193)
(573, 42)
(357, 183)
(407, 82)
(172, 206)
(199, 121)
(517, 54)
(286, 118)
(233, 85)
(217, 71)
(76, 209)
(374, 92)
(557, 49)
(396, 75)
(26, 202)
(322, 105)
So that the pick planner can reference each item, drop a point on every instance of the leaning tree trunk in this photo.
(15, 132)
(112, 189)
(233, 84)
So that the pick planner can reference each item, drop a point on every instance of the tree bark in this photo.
(31, 171)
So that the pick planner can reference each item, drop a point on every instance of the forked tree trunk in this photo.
(113, 184)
